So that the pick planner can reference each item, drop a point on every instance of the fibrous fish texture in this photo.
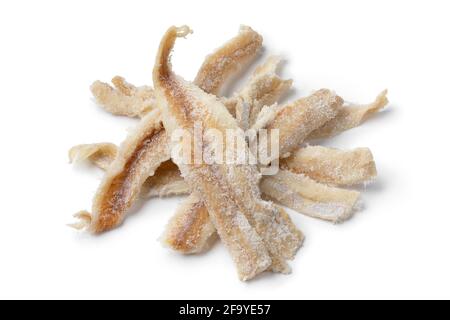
(298, 119)
(256, 240)
(350, 116)
(303, 194)
(229, 58)
(138, 157)
(124, 99)
(333, 166)
(167, 181)
(190, 230)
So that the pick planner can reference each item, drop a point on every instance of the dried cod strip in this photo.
(190, 230)
(183, 104)
(333, 166)
(263, 86)
(138, 157)
(245, 245)
(125, 99)
(229, 58)
(350, 116)
(298, 119)
(303, 194)
(100, 154)
(216, 69)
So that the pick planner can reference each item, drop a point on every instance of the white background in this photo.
(51, 51)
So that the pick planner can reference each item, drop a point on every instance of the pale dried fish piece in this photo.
(183, 104)
(125, 99)
(333, 166)
(264, 88)
(100, 154)
(298, 119)
(226, 60)
(190, 230)
(138, 157)
(300, 193)
(167, 181)
(350, 116)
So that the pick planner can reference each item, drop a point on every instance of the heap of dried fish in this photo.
(229, 200)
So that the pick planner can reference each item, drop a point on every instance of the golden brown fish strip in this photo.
(298, 119)
(244, 244)
(138, 157)
(226, 60)
(190, 230)
(214, 72)
(304, 195)
(349, 117)
(125, 99)
(183, 104)
(333, 166)
(101, 154)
